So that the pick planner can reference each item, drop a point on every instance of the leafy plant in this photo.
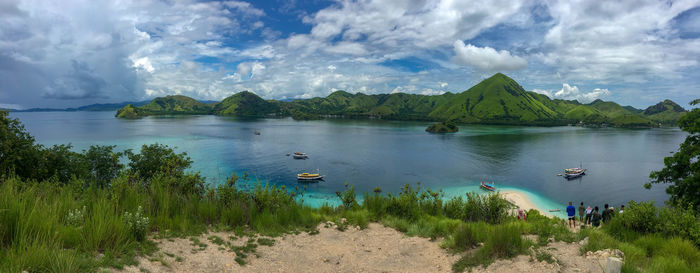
(137, 223)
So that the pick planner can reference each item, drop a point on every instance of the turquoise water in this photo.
(388, 154)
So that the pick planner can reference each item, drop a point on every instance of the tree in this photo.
(157, 158)
(18, 153)
(682, 169)
(103, 163)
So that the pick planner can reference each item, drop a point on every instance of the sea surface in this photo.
(387, 154)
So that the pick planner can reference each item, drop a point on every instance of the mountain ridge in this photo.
(495, 100)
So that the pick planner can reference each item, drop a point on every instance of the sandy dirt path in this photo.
(374, 249)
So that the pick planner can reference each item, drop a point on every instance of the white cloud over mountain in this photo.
(70, 53)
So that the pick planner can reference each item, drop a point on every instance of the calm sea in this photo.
(388, 154)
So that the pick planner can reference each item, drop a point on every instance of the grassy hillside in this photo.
(665, 112)
(246, 104)
(170, 105)
(496, 100)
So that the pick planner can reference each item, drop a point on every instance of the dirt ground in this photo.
(374, 249)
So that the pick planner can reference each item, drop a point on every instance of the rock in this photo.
(550, 240)
(584, 241)
(343, 221)
(618, 253)
(614, 265)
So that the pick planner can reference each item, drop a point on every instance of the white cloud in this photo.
(143, 63)
(443, 84)
(486, 58)
(622, 41)
(569, 92)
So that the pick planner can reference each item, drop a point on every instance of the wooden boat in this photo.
(574, 172)
(300, 155)
(309, 176)
(487, 186)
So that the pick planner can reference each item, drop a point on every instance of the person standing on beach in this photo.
(571, 211)
(596, 217)
(589, 212)
(581, 210)
(622, 209)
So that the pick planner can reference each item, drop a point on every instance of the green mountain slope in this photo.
(246, 104)
(169, 105)
(665, 112)
(498, 99)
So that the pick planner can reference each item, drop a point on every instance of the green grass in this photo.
(39, 229)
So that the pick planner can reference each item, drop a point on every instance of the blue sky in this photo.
(71, 53)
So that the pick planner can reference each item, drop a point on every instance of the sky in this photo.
(70, 53)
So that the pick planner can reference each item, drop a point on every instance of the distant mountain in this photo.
(496, 100)
(169, 105)
(91, 107)
(665, 112)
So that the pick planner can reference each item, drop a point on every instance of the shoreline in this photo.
(520, 200)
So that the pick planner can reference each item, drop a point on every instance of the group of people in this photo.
(593, 216)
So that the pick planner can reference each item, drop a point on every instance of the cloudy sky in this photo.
(72, 53)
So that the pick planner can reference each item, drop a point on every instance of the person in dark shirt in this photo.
(607, 214)
(581, 212)
(595, 218)
(571, 211)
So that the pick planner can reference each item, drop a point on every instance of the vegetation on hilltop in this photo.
(665, 112)
(496, 100)
(442, 127)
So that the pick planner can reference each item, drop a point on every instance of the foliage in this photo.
(682, 170)
(157, 158)
(136, 223)
(103, 164)
(645, 218)
(442, 127)
(18, 153)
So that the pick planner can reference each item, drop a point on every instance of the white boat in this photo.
(574, 172)
(300, 155)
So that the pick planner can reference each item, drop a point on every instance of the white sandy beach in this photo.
(522, 201)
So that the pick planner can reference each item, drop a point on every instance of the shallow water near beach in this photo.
(387, 154)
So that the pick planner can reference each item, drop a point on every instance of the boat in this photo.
(487, 186)
(309, 176)
(574, 172)
(300, 155)
(257, 133)
(554, 210)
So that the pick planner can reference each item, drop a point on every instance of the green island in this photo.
(496, 100)
(442, 127)
(98, 210)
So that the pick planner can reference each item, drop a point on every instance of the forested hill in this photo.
(496, 100)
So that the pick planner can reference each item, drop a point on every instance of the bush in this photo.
(464, 237)
(136, 223)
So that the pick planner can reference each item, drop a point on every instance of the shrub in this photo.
(76, 217)
(136, 223)
(464, 237)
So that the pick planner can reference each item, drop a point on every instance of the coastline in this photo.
(521, 200)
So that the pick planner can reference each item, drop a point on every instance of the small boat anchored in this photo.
(574, 172)
(487, 186)
(300, 155)
(309, 176)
